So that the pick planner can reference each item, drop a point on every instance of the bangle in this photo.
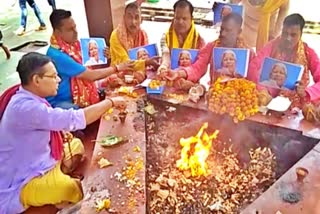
(112, 103)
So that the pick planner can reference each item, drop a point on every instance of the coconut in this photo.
(195, 93)
(200, 89)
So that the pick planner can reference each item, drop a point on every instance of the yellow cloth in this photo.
(266, 11)
(120, 55)
(54, 187)
(189, 43)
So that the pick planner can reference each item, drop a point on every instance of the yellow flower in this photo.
(103, 204)
(136, 149)
(238, 98)
(110, 110)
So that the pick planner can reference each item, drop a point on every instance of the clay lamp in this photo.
(301, 173)
(122, 114)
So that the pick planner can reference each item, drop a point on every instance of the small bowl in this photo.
(128, 78)
(263, 110)
(301, 173)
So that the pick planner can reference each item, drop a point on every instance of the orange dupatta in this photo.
(84, 93)
(240, 43)
(120, 43)
(128, 41)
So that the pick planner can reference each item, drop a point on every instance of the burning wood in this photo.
(163, 194)
(218, 182)
(195, 151)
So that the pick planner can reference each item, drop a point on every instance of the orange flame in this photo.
(195, 151)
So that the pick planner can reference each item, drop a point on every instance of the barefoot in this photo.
(71, 209)
(6, 51)
(63, 205)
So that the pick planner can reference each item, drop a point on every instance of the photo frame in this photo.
(279, 74)
(92, 51)
(183, 57)
(222, 9)
(143, 52)
(231, 62)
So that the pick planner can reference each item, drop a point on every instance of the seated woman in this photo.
(126, 36)
(35, 163)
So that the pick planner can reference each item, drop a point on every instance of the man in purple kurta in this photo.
(31, 164)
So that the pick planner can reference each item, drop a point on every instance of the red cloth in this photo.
(84, 92)
(6, 97)
(56, 141)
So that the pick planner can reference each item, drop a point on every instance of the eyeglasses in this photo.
(53, 76)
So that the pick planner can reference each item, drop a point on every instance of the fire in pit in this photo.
(195, 151)
(209, 179)
(213, 171)
(204, 173)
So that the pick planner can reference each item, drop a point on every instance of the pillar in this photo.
(103, 16)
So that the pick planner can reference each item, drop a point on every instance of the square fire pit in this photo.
(221, 169)
(190, 160)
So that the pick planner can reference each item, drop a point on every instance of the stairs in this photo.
(155, 12)
(312, 27)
